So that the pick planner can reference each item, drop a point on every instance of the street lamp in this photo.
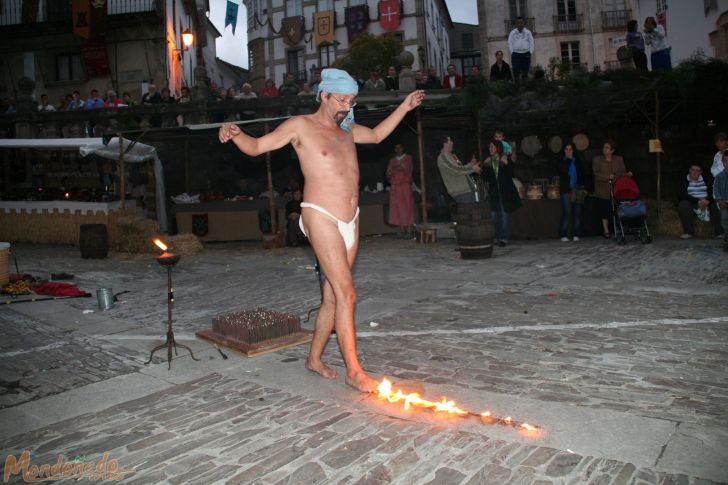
(187, 38)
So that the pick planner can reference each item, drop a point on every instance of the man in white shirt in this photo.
(721, 143)
(520, 43)
(659, 49)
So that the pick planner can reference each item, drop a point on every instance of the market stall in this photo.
(58, 221)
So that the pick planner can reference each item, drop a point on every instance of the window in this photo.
(566, 9)
(68, 67)
(570, 53)
(468, 63)
(661, 6)
(294, 64)
(517, 9)
(614, 5)
(294, 8)
(467, 40)
(324, 5)
(327, 55)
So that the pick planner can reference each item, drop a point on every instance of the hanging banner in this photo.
(98, 18)
(292, 30)
(389, 14)
(80, 14)
(323, 27)
(30, 11)
(357, 19)
(95, 59)
(231, 15)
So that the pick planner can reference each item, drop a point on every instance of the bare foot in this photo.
(361, 381)
(321, 368)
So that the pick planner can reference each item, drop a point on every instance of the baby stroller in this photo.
(629, 213)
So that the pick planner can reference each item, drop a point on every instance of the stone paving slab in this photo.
(233, 431)
(599, 343)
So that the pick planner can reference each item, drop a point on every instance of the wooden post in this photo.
(187, 165)
(122, 189)
(271, 199)
(421, 147)
(659, 168)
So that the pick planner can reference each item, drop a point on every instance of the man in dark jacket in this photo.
(695, 196)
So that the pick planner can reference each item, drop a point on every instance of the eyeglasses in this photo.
(349, 102)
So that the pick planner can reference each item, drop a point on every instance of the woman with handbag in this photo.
(572, 190)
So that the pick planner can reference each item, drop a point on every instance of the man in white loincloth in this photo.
(324, 142)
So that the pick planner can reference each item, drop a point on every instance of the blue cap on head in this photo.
(336, 81)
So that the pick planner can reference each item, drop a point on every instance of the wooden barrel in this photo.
(94, 241)
(474, 231)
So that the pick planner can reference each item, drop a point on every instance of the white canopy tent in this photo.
(129, 152)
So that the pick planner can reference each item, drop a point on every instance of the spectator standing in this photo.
(76, 101)
(500, 70)
(185, 95)
(401, 201)
(721, 143)
(391, 82)
(420, 78)
(374, 84)
(167, 97)
(94, 102)
(476, 77)
(316, 80)
(571, 186)
(269, 90)
(306, 90)
(720, 192)
(452, 80)
(655, 37)
(456, 175)
(45, 106)
(504, 198)
(636, 44)
(64, 101)
(695, 199)
(112, 100)
(606, 167)
(294, 235)
(151, 96)
(520, 43)
(433, 79)
(289, 86)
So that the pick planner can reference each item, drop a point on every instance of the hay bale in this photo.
(669, 223)
(133, 233)
(184, 244)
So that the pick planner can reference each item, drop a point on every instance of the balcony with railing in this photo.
(22, 12)
(616, 19)
(510, 24)
(568, 23)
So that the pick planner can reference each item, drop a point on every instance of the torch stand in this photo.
(169, 260)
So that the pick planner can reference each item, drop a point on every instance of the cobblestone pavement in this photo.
(618, 352)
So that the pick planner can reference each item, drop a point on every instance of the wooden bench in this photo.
(426, 235)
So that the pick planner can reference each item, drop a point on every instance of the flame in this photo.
(160, 244)
(384, 391)
(528, 427)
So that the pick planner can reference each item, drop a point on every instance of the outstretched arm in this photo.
(362, 134)
(277, 138)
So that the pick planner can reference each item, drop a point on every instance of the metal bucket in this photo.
(106, 298)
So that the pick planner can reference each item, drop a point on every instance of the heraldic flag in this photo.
(231, 15)
(389, 14)
(324, 27)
